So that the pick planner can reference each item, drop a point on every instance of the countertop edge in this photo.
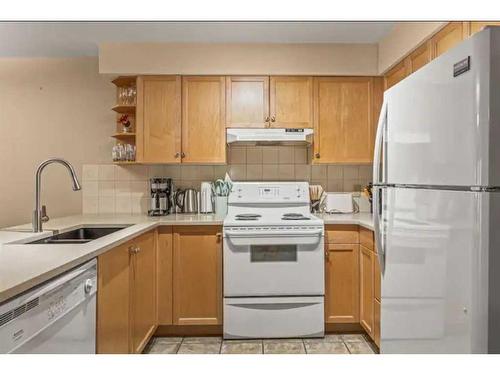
(101, 246)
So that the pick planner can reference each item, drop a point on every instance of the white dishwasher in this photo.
(56, 317)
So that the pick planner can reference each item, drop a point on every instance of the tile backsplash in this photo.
(109, 188)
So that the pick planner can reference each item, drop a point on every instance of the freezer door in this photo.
(431, 287)
(438, 124)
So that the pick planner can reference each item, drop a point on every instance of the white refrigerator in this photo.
(437, 204)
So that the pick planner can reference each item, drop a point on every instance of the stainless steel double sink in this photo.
(78, 236)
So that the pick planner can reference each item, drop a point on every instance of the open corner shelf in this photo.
(124, 81)
(126, 109)
(123, 135)
(125, 162)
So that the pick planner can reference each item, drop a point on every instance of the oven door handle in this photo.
(246, 234)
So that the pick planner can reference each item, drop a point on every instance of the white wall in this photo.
(50, 107)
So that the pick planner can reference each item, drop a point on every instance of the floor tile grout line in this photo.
(346, 346)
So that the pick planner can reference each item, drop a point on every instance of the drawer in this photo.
(274, 317)
(342, 234)
(366, 238)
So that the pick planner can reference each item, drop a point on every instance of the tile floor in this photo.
(330, 344)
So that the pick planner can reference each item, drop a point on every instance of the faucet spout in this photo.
(37, 213)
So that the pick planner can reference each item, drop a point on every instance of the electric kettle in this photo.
(187, 200)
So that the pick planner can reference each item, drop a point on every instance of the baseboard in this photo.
(344, 328)
(189, 330)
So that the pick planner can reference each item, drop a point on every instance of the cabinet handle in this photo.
(177, 154)
(316, 155)
(266, 119)
(327, 255)
(273, 119)
(183, 155)
(137, 249)
(219, 237)
(131, 249)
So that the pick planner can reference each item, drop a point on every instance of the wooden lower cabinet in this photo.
(164, 276)
(376, 322)
(197, 275)
(113, 301)
(126, 297)
(342, 283)
(366, 289)
(143, 288)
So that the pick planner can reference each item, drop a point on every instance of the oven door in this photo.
(273, 264)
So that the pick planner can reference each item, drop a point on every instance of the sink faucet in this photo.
(37, 213)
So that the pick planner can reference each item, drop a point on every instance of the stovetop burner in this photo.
(245, 217)
(294, 216)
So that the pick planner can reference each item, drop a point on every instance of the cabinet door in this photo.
(343, 131)
(376, 323)
(291, 102)
(377, 279)
(197, 275)
(203, 119)
(476, 26)
(396, 74)
(342, 284)
(164, 275)
(420, 57)
(113, 301)
(366, 289)
(159, 119)
(144, 291)
(447, 38)
(247, 102)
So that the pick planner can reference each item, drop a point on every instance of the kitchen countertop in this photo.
(23, 266)
(363, 219)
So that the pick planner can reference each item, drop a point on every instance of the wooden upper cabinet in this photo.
(144, 316)
(203, 119)
(291, 102)
(420, 57)
(342, 283)
(366, 289)
(447, 38)
(197, 275)
(476, 26)
(113, 301)
(396, 74)
(158, 119)
(344, 120)
(247, 102)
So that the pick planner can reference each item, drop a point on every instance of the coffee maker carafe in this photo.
(161, 189)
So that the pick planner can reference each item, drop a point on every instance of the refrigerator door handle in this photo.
(377, 195)
(379, 139)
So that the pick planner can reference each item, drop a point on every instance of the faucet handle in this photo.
(44, 215)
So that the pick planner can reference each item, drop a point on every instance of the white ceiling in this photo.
(60, 39)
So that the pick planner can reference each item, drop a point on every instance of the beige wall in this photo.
(403, 38)
(193, 58)
(50, 107)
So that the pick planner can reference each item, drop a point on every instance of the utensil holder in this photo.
(221, 206)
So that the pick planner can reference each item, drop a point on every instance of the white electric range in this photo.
(273, 262)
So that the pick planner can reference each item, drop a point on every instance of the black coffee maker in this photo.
(161, 189)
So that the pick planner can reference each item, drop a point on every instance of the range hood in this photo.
(269, 136)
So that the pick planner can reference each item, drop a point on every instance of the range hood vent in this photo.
(269, 136)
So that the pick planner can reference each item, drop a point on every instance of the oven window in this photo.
(273, 253)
